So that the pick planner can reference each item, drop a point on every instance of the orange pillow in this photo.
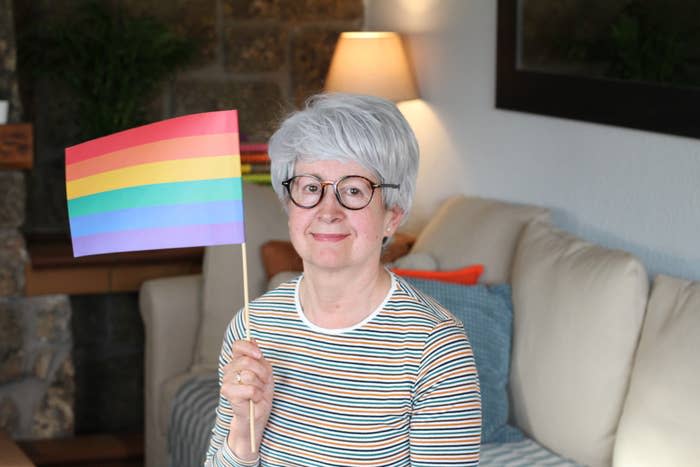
(278, 256)
(464, 276)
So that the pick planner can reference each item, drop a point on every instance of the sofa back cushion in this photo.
(578, 312)
(470, 230)
(223, 271)
(659, 424)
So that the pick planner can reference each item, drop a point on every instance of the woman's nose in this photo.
(330, 208)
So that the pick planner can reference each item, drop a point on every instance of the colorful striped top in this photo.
(398, 389)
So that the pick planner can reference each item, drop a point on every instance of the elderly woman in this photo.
(349, 364)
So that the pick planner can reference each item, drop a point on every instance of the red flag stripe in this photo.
(197, 124)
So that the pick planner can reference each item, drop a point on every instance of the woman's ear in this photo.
(394, 216)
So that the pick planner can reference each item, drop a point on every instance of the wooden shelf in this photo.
(53, 269)
(16, 146)
(11, 455)
(85, 450)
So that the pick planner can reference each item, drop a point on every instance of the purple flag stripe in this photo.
(160, 238)
(149, 217)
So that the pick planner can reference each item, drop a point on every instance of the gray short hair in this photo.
(351, 128)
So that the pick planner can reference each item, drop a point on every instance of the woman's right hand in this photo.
(248, 376)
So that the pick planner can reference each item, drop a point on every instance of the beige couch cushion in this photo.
(223, 271)
(470, 230)
(282, 277)
(578, 312)
(660, 424)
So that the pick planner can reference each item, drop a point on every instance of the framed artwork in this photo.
(629, 63)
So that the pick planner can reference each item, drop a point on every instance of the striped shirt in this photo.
(398, 389)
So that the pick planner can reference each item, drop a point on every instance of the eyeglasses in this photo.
(352, 192)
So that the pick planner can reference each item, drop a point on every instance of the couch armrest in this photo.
(171, 309)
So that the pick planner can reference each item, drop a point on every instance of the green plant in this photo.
(113, 63)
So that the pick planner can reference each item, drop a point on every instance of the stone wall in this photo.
(36, 368)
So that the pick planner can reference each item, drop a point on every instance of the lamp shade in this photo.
(371, 63)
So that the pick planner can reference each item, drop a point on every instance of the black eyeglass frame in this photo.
(287, 184)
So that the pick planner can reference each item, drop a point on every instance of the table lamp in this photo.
(373, 63)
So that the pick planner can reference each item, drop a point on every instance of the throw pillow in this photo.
(465, 276)
(278, 256)
(487, 315)
(423, 261)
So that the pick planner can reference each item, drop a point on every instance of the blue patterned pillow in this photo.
(487, 315)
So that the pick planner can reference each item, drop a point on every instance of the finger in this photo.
(244, 386)
(238, 395)
(244, 377)
(246, 371)
(268, 366)
(248, 348)
(261, 367)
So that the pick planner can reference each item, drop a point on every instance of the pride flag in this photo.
(170, 184)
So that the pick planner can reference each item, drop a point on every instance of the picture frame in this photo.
(643, 106)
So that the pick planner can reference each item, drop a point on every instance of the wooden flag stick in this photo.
(251, 407)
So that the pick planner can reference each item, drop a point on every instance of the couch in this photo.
(600, 365)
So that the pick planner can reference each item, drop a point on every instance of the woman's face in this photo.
(331, 237)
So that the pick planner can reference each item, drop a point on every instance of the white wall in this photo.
(621, 188)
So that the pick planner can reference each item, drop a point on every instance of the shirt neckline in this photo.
(337, 331)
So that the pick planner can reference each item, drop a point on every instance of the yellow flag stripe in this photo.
(201, 168)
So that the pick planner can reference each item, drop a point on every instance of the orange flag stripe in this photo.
(169, 149)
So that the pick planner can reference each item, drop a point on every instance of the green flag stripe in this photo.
(161, 194)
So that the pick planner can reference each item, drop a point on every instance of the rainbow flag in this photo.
(170, 184)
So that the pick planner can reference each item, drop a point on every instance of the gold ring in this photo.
(238, 377)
